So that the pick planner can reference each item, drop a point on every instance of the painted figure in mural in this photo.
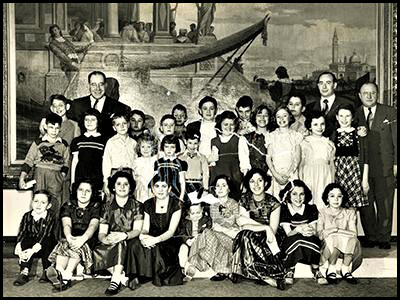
(172, 12)
(206, 13)
(281, 89)
(65, 50)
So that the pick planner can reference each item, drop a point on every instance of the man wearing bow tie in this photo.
(328, 102)
(381, 123)
(98, 100)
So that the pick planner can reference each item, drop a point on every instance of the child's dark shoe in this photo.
(113, 289)
(349, 278)
(21, 280)
(218, 277)
(280, 284)
(332, 279)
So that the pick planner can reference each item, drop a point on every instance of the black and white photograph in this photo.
(200, 149)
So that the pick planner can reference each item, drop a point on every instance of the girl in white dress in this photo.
(283, 148)
(317, 167)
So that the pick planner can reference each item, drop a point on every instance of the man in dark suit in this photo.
(98, 100)
(381, 123)
(328, 102)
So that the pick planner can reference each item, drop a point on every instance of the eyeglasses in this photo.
(98, 85)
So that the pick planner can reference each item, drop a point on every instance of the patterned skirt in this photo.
(84, 253)
(253, 259)
(348, 175)
(106, 256)
(212, 249)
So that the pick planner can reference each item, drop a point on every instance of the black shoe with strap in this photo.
(21, 280)
(219, 277)
(384, 245)
(349, 278)
(332, 278)
(280, 284)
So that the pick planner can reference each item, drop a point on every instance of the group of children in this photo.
(90, 209)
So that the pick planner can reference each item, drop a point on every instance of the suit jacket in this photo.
(381, 139)
(330, 118)
(111, 106)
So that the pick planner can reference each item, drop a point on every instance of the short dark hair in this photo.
(97, 73)
(118, 115)
(166, 117)
(246, 180)
(228, 181)
(281, 72)
(284, 194)
(227, 114)
(147, 137)
(179, 107)
(245, 101)
(299, 95)
(95, 195)
(59, 97)
(208, 99)
(51, 29)
(349, 107)
(137, 112)
(53, 118)
(91, 112)
(44, 192)
(258, 110)
(334, 79)
(113, 179)
(284, 107)
(159, 176)
(332, 186)
(171, 139)
(192, 133)
(313, 114)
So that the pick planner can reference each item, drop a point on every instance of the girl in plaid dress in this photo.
(350, 150)
(80, 220)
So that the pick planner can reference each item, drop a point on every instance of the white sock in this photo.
(332, 269)
(25, 271)
(345, 269)
(67, 275)
(116, 277)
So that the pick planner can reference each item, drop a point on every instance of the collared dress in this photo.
(90, 150)
(299, 248)
(143, 171)
(252, 258)
(346, 244)
(257, 150)
(118, 219)
(349, 152)
(80, 220)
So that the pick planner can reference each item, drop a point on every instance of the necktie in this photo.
(369, 118)
(95, 103)
(325, 110)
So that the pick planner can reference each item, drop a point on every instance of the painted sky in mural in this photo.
(300, 34)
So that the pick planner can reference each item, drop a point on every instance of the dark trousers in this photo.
(377, 225)
(47, 247)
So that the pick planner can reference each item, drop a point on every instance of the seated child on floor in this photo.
(337, 228)
(195, 221)
(80, 221)
(36, 236)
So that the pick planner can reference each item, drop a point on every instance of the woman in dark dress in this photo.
(80, 220)
(154, 256)
(121, 222)
(256, 254)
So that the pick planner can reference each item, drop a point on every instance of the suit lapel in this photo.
(378, 118)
